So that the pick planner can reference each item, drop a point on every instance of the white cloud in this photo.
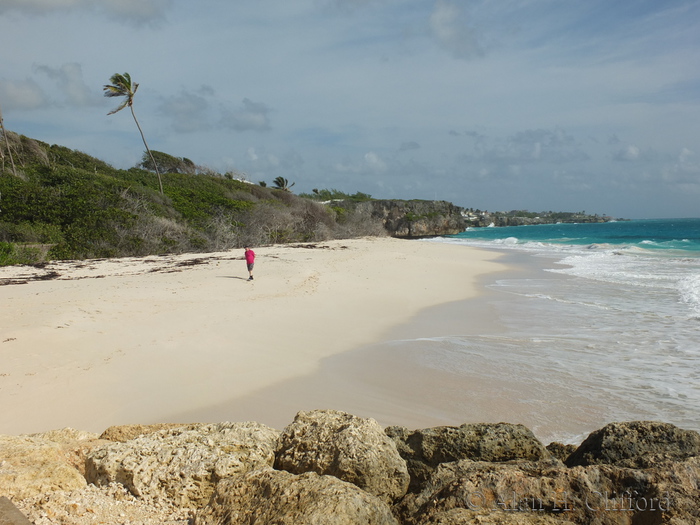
(374, 162)
(187, 112)
(685, 157)
(367, 97)
(21, 94)
(685, 170)
(134, 11)
(371, 163)
(251, 116)
(529, 146)
(449, 27)
(628, 153)
(70, 82)
(262, 164)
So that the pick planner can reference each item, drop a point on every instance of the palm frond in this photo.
(121, 79)
(121, 86)
(120, 107)
(113, 91)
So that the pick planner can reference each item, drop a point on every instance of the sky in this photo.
(496, 105)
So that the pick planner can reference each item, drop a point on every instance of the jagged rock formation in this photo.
(282, 498)
(36, 464)
(183, 464)
(347, 470)
(604, 495)
(424, 450)
(348, 447)
(639, 444)
(412, 219)
(421, 218)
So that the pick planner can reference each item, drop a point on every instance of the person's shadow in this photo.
(233, 277)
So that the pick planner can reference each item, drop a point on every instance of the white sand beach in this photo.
(156, 339)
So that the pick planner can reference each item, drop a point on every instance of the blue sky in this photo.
(498, 105)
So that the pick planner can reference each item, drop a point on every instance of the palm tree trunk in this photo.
(155, 166)
(7, 144)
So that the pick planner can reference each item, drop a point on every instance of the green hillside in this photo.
(57, 203)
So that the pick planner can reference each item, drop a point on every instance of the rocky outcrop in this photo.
(536, 492)
(183, 464)
(467, 489)
(560, 451)
(125, 433)
(426, 449)
(636, 444)
(34, 464)
(112, 504)
(282, 498)
(411, 219)
(348, 447)
(347, 470)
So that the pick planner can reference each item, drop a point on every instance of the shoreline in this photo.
(141, 340)
(395, 380)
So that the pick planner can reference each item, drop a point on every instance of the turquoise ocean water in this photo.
(606, 329)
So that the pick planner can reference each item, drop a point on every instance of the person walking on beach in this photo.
(250, 261)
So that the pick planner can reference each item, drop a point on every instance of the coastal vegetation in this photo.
(65, 204)
(58, 203)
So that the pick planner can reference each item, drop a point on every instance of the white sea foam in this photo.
(615, 326)
(689, 289)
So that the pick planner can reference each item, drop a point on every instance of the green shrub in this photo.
(75, 207)
(11, 254)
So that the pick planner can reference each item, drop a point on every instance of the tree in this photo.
(282, 184)
(122, 86)
(7, 144)
(167, 163)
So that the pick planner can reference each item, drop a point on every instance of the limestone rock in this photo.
(560, 451)
(183, 465)
(636, 444)
(679, 485)
(532, 492)
(348, 447)
(108, 505)
(412, 218)
(279, 497)
(425, 449)
(128, 432)
(67, 436)
(75, 444)
(31, 465)
(466, 517)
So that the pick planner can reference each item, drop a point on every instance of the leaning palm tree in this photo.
(122, 86)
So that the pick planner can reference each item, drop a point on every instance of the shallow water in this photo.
(613, 324)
